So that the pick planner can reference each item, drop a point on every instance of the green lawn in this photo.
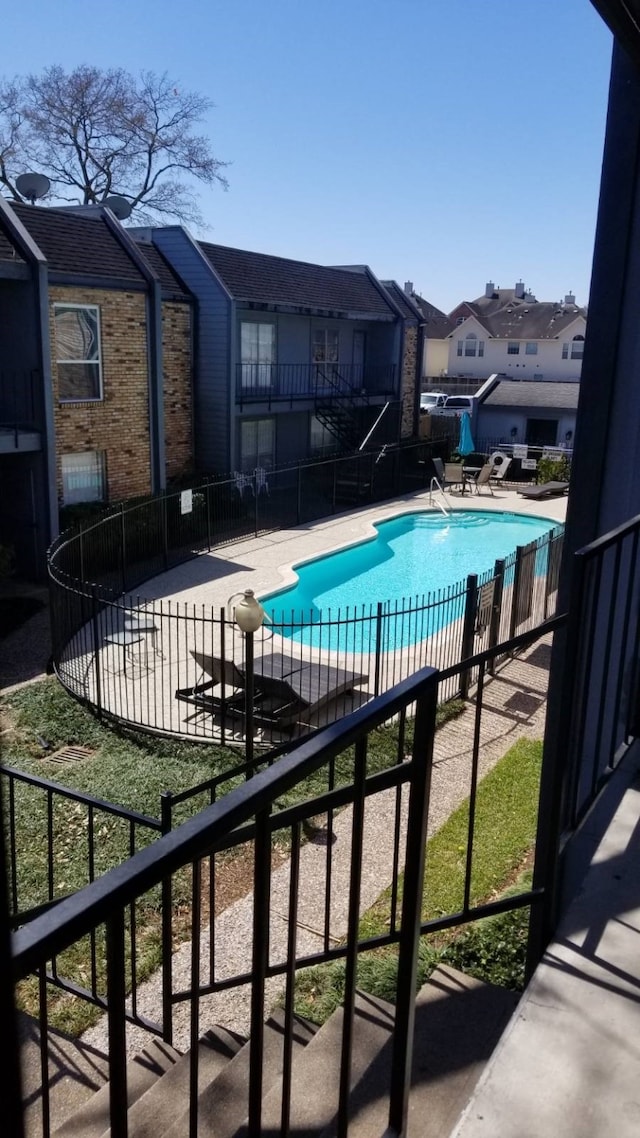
(504, 832)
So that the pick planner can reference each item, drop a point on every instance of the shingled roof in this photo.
(264, 279)
(534, 321)
(8, 251)
(172, 286)
(437, 324)
(78, 246)
(401, 299)
(552, 395)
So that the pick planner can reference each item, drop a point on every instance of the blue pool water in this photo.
(414, 559)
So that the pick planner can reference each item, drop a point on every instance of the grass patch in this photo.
(504, 832)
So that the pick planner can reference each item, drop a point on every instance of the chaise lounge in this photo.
(545, 490)
(286, 691)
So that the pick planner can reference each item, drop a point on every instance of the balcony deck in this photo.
(568, 1062)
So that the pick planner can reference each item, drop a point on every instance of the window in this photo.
(77, 334)
(513, 348)
(257, 444)
(83, 477)
(257, 353)
(577, 349)
(320, 438)
(471, 346)
(531, 349)
(324, 347)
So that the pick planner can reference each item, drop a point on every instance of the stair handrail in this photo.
(369, 434)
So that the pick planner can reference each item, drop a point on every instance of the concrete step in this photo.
(316, 1069)
(155, 1111)
(222, 1105)
(459, 1021)
(146, 1069)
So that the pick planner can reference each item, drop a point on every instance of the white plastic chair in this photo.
(262, 484)
(243, 482)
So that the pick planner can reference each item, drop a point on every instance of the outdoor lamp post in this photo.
(249, 616)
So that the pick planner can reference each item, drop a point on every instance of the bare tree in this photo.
(97, 133)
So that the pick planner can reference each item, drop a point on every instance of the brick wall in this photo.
(177, 388)
(119, 423)
(408, 380)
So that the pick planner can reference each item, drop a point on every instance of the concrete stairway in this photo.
(458, 1023)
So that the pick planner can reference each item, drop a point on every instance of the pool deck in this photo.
(264, 563)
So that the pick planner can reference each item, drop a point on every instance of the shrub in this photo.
(554, 469)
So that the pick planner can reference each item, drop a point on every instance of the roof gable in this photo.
(265, 279)
(79, 245)
(552, 394)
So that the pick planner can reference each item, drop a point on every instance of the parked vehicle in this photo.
(429, 400)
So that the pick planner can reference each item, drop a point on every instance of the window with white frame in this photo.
(531, 349)
(324, 346)
(83, 477)
(257, 353)
(257, 444)
(471, 346)
(513, 348)
(574, 350)
(78, 353)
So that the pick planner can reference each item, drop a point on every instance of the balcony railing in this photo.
(277, 383)
(19, 402)
(598, 721)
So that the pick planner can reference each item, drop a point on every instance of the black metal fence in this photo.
(332, 775)
(597, 722)
(181, 668)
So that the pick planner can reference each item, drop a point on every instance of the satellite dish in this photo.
(118, 205)
(32, 186)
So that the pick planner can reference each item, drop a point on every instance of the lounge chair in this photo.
(286, 690)
(545, 490)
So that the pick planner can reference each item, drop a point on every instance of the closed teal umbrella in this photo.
(466, 444)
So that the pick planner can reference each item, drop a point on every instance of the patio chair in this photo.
(500, 464)
(448, 474)
(243, 482)
(483, 478)
(262, 483)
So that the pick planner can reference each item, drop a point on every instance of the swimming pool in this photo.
(414, 561)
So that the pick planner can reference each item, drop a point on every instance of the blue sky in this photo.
(446, 142)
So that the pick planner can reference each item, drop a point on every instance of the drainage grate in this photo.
(66, 756)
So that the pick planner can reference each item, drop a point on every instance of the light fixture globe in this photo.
(248, 613)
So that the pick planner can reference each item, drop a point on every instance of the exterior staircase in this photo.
(458, 1023)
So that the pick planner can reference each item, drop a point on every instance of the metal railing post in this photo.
(167, 946)
(517, 577)
(496, 610)
(123, 549)
(299, 496)
(376, 686)
(468, 630)
(208, 505)
(96, 648)
(419, 794)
